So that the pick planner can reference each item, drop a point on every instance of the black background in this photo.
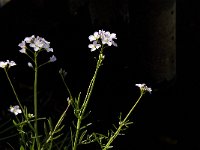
(165, 120)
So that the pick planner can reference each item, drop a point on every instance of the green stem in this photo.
(132, 108)
(18, 100)
(77, 133)
(70, 95)
(35, 102)
(14, 90)
(57, 126)
(122, 124)
(86, 100)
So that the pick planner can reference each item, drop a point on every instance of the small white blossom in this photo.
(52, 58)
(94, 46)
(143, 87)
(3, 64)
(23, 46)
(8, 63)
(11, 63)
(15, 109)
(94, 37)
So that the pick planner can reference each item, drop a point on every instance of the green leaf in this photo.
(82, 136)
(45, 129)
(56, 137)
(85, 126)
(58, 130)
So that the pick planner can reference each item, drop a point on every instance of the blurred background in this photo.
(146, 53)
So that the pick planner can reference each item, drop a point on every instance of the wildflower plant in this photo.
(26, 123)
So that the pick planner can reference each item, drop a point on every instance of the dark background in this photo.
(146, 30)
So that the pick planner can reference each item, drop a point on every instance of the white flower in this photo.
(94, 46)
(11, 63)
(15, 109)
(49, 49)
(52, 58)
(3, 64)
(94, 37)
(107, 38)
(8, 63)
(36, 43)
(144, 88)
(23, 46)
(46, 45)
(29, 39)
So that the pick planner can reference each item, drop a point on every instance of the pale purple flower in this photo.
(101, 38)
(23, 46)
(36, 43)
(29, 39)
(46, 45)
(52, 59)
(107, 38)
(144, 88)
(94, 37)
(15, 109)
(94, 46)
(49, 49)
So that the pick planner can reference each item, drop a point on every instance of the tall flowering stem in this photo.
(100, 40)
(38, 44)
(13, 90)
(124, 122)
(36, 100)
(86, 100)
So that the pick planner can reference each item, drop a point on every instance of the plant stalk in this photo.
(122, 124)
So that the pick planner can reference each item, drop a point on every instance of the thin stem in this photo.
(91, 85)
(44, 64)
(132, 108)
(35, 102)
(86, 100)
(77, 133)
(70, 95)
(122, 123)
(13, 90)
(18, 100)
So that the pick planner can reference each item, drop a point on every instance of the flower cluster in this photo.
(4, 64)
(101, 38)
(144, 88)
(37, 43)
(15, 109)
